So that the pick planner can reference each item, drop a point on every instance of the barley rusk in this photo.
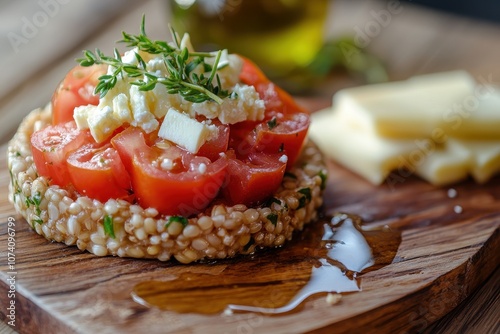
(220, 231)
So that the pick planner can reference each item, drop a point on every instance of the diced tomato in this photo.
(171, 180)
(213, 147)
(98, 172)
(285, 125)
(52, 145)
(164, 176)
(283, 135)
(252, 179)
(77, 89)
(276, 99)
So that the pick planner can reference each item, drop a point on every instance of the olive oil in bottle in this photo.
(281, 36)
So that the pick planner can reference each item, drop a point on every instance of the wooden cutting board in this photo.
(443, 254)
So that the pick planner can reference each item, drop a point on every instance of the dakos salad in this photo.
(164, 151)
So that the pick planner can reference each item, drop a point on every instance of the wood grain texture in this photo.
(473, 310)
(442, 258)
(64, 290)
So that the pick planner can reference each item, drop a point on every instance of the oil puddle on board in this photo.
(329, 256)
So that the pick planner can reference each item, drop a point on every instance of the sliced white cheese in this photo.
(478, 116)
(410, 109)
(185, 131)
(439, 162)
(485, 157)
(370, 156)
(445, 165)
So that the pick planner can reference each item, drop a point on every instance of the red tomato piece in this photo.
(171, 180)
(77, 89)
(52, 145)
(213, 147)
(252, 179)
(98, 172)
(283, 135)
(276, 99)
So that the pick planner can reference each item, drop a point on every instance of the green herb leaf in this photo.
(306, 198)
(178, 219)
(273, 218)
(180, 64)
(306, 192)
(249, 244)
(273, 200)
(324, 178)
(109, 228)
(272, 123)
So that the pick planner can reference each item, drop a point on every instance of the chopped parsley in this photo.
(109, 228)
(273, 200)
(249, 244)
(177, 219)
(323, 177)
(306, 198)
(273, 218)
(272, 123)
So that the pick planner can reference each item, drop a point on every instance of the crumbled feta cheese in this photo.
(102, 123)
(156, 64)
(122, 86)
(163, 101)
(126, 104)
(230, 67)
(121, 109)
(185, 131)
(142, 117)
(80, 115)
(129, 56)
(246, 105)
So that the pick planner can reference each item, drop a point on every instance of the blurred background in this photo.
(312, 48)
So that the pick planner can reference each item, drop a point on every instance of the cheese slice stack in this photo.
(442, 127)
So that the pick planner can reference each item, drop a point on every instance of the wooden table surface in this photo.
(412, 41)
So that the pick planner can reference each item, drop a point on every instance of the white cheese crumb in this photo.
(80, 115)
(121, 108)
(246, 105)
(126, 104)
(227, 312)
(333, 298)
(283, 158)
(142, 117)
(102, 123)
(229, 75)
(452, 193)
(458, 209)
(167, 164)
(202, 168)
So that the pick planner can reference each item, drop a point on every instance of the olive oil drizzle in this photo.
(330, 256)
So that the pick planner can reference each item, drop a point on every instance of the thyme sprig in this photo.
(180, 64)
